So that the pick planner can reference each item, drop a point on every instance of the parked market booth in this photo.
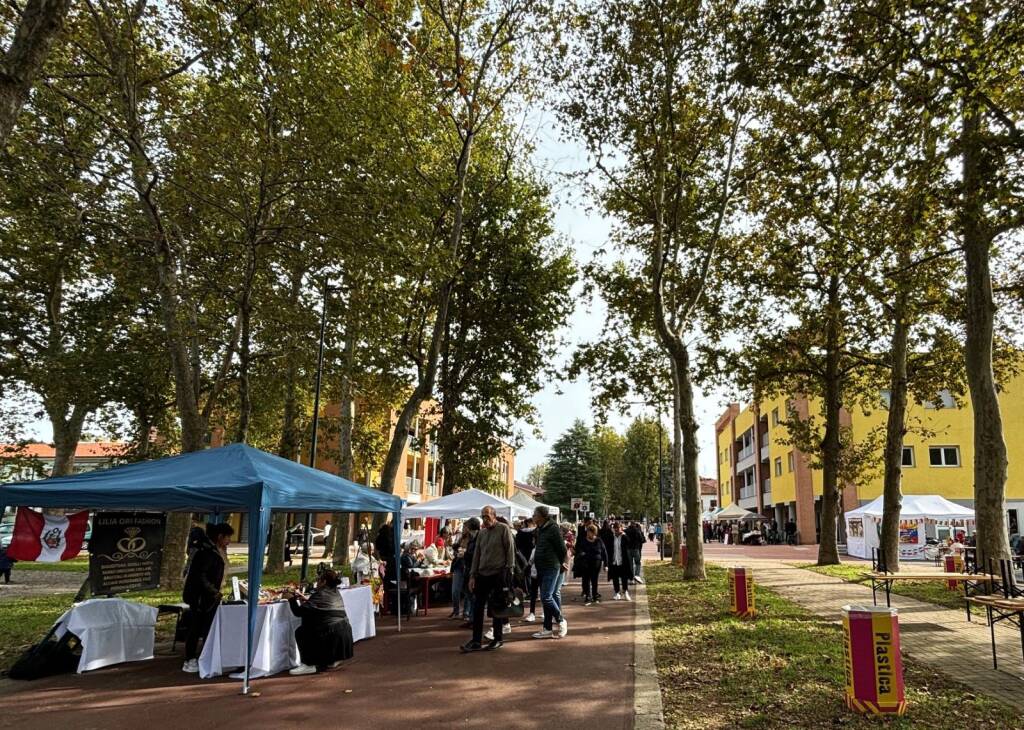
(235, 478)
(465, 504)
(864, 524)
(532, 504)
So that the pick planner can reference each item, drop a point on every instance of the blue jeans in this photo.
(550, 583)
(458, 580)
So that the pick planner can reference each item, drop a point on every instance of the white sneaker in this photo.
(617, 597)
(504, 632)
(639, 579)
(588, 602)
(530, 619)
(563, 628)
(628, 597)
(543, 634)
(191, 666)
(302, 669)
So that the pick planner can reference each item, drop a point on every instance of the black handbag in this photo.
(507, 600)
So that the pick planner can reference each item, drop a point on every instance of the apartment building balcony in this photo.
(765, 449)
(412, 485)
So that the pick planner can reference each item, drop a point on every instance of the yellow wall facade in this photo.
(725, 467)
(950, 427)
(784, 486)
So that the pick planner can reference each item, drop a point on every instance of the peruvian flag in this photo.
(47, 538)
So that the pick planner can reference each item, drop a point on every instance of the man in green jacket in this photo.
(495, 553)
(550, 560)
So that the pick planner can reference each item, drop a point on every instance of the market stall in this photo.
(465, 504)
(864, 524)
(235, 478)
(532, 504)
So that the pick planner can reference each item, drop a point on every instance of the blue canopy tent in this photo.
(235, 478)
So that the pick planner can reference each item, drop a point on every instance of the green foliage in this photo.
(573, 469)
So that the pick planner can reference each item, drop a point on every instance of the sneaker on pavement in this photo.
(302, 669)
(563, 628)
(531, 618)
(191, 666)
(489, 634)
(617, 597)
(494, 645)
(470, 646)
(639, 579)
(588, 602)
(544, 634)
(628, 597)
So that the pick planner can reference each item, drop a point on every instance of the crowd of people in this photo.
(751, 532)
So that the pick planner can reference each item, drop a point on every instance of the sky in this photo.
(560, 403)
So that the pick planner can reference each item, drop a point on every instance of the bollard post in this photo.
(741, 592)
(874, 668)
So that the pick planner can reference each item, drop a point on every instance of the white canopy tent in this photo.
(462, 505)
(864, 524)
(532, 504)
(735, 512)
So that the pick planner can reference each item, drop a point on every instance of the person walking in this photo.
(459, 569)
(620, 568)
(493, 556)
(550, 561)
(590, 558)
(202, 590)
(526, 542)
(6, 563)
(636, 547)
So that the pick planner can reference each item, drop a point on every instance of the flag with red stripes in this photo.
(47, 538)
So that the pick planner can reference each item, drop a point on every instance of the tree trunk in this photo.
(288, 447)
(694, 569)
(67, 432)
(895, 430)
(831, 445)
(990, 460)
(678, 481)
(340, 537)
(38, 27)
(428, 374)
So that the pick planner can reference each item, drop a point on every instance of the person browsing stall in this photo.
(202, 590)
(325, 636)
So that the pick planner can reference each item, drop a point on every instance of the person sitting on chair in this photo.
(325, 636)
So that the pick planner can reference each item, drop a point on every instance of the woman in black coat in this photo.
(325, 636)
(590, 557)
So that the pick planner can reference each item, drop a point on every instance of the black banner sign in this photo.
(125, 551)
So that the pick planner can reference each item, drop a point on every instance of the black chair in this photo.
(1008, 578)
(177, 610)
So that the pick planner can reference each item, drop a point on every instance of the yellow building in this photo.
(761, 473)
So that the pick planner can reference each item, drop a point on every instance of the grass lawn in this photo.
(75, 565)
(927, 591)
(24, 621)
(784, 669)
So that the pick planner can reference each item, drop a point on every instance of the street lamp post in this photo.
(308, 525)
(661, 491)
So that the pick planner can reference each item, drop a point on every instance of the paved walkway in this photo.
(416, 679)
(940, 637)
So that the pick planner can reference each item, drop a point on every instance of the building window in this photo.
(778, 466)
(789, 461)
(775, 416)
(908, 456)
(944, 455)
(945, 401)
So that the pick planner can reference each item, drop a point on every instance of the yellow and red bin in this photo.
(874, 668)
(953, 564)
(741, 592)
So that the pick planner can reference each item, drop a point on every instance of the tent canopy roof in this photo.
(735, 512)
(235, 478)
(465, 504)
(532, 504)
(917, 506)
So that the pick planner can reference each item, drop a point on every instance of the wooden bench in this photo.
(999, 608)
(885, 580)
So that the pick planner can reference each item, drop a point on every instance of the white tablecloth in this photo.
(359, 607)
(276, 649)
(112, 630)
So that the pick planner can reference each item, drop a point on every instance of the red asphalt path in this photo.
(413, 680)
